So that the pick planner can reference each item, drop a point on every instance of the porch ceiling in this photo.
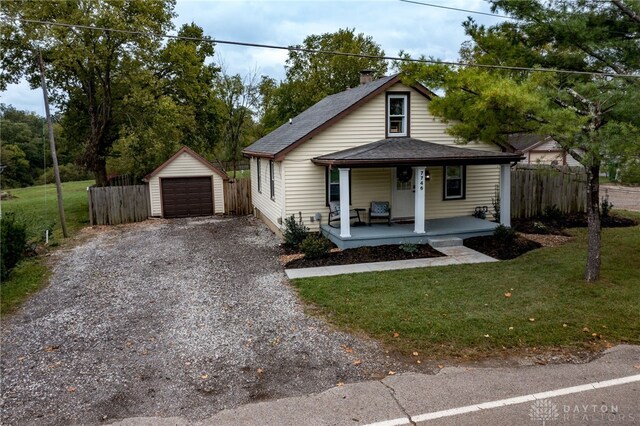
(414, 152)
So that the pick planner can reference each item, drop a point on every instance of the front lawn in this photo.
(37, 207)
(538, 300)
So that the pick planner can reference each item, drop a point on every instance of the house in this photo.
(377, 142)
(186, 185)
(538, 149)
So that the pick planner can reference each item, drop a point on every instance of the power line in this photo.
(460, 10)
(328, 52)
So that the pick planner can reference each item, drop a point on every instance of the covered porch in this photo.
(404, 233)
(417, 156)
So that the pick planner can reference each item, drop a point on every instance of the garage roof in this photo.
(195, 155)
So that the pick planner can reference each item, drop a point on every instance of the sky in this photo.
(393, 24)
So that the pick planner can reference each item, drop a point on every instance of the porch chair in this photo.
(380, 210)
(334, 213)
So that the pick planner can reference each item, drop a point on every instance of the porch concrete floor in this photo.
(402, 233)
(454, 256)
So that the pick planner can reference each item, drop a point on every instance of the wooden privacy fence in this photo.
(113, 205)
(237, 197)
(534, 188)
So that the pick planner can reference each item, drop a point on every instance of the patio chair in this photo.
(334, 213)
(380, 210)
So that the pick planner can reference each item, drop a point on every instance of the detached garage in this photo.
(186, 185)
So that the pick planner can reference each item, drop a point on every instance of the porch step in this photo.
(445, 242)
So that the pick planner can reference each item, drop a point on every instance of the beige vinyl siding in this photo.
(271, 209)
(185, 166)
(480, 187)
(306, 182)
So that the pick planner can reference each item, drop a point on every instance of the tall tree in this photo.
(592, 117)
(89, 70)
(238, 102)
(311, 76)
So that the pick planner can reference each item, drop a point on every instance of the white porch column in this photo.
(420, 182)
(505, 194)
(345, 228)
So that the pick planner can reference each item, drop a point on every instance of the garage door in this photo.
(186, 197)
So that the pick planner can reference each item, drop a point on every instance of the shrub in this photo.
(68, 173)
(294, 231)
(552, 213)
(605, 205)
(315, 246)
(409, 248)
(504, 234)
(13, 242)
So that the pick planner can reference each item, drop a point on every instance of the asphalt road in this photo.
(622, 197)
(603, 391)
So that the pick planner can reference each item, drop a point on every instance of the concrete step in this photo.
(445, 242)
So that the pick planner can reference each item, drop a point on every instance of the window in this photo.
(454, 182)
(272, 180)
(259, 172)
(333, 185)
(397, 115)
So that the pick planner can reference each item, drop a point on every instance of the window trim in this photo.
(463, 183)
(259, 173)
(327, 182)
(407, 116)
(272, 180)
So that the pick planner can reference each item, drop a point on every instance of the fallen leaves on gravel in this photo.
(357, 362)
(391, 373)
(347, 349)
(51, 348)
(71, 389)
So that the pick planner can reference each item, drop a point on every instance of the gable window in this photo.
(454, 182)
(397, 115)
(333, 185)
(259, 173)
(272, 180)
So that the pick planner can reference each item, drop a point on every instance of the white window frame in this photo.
(272, 180)
(404, 117)
(259, 173)
(462, 179)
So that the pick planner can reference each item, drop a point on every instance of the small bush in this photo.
(68, 173)
(504, 234)
(315, 246)
(605, 205)
(13, 242)
(294, 232)
(552, 213)
(409, 248)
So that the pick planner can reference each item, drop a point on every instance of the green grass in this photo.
(37, 207)
(462, 310)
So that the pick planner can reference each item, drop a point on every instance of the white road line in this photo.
(508, 401)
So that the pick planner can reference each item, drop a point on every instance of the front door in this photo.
(404, 198)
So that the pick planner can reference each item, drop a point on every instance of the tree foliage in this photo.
(593, 117)
(311, 76)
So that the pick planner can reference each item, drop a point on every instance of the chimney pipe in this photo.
(366, 76)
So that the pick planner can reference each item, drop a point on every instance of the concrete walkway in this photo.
(454, 256)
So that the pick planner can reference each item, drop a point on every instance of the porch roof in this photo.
(415, 152)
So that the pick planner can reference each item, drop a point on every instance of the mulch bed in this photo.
(365, 255)
(556, 226)
(490, 246)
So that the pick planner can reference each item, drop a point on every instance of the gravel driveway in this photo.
(622, 197)
(169, 318)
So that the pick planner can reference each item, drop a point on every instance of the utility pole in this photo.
(52, 145)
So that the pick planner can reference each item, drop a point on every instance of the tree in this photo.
(592, 117)
(89, 71)
(311, 76)
(238, 100)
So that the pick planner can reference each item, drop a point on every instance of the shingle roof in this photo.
(522, 142)
(409, 151)
(323, 112)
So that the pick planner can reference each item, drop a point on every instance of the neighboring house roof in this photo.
(526, 142)
(409, 151)
(319, 116)
(195, 155)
